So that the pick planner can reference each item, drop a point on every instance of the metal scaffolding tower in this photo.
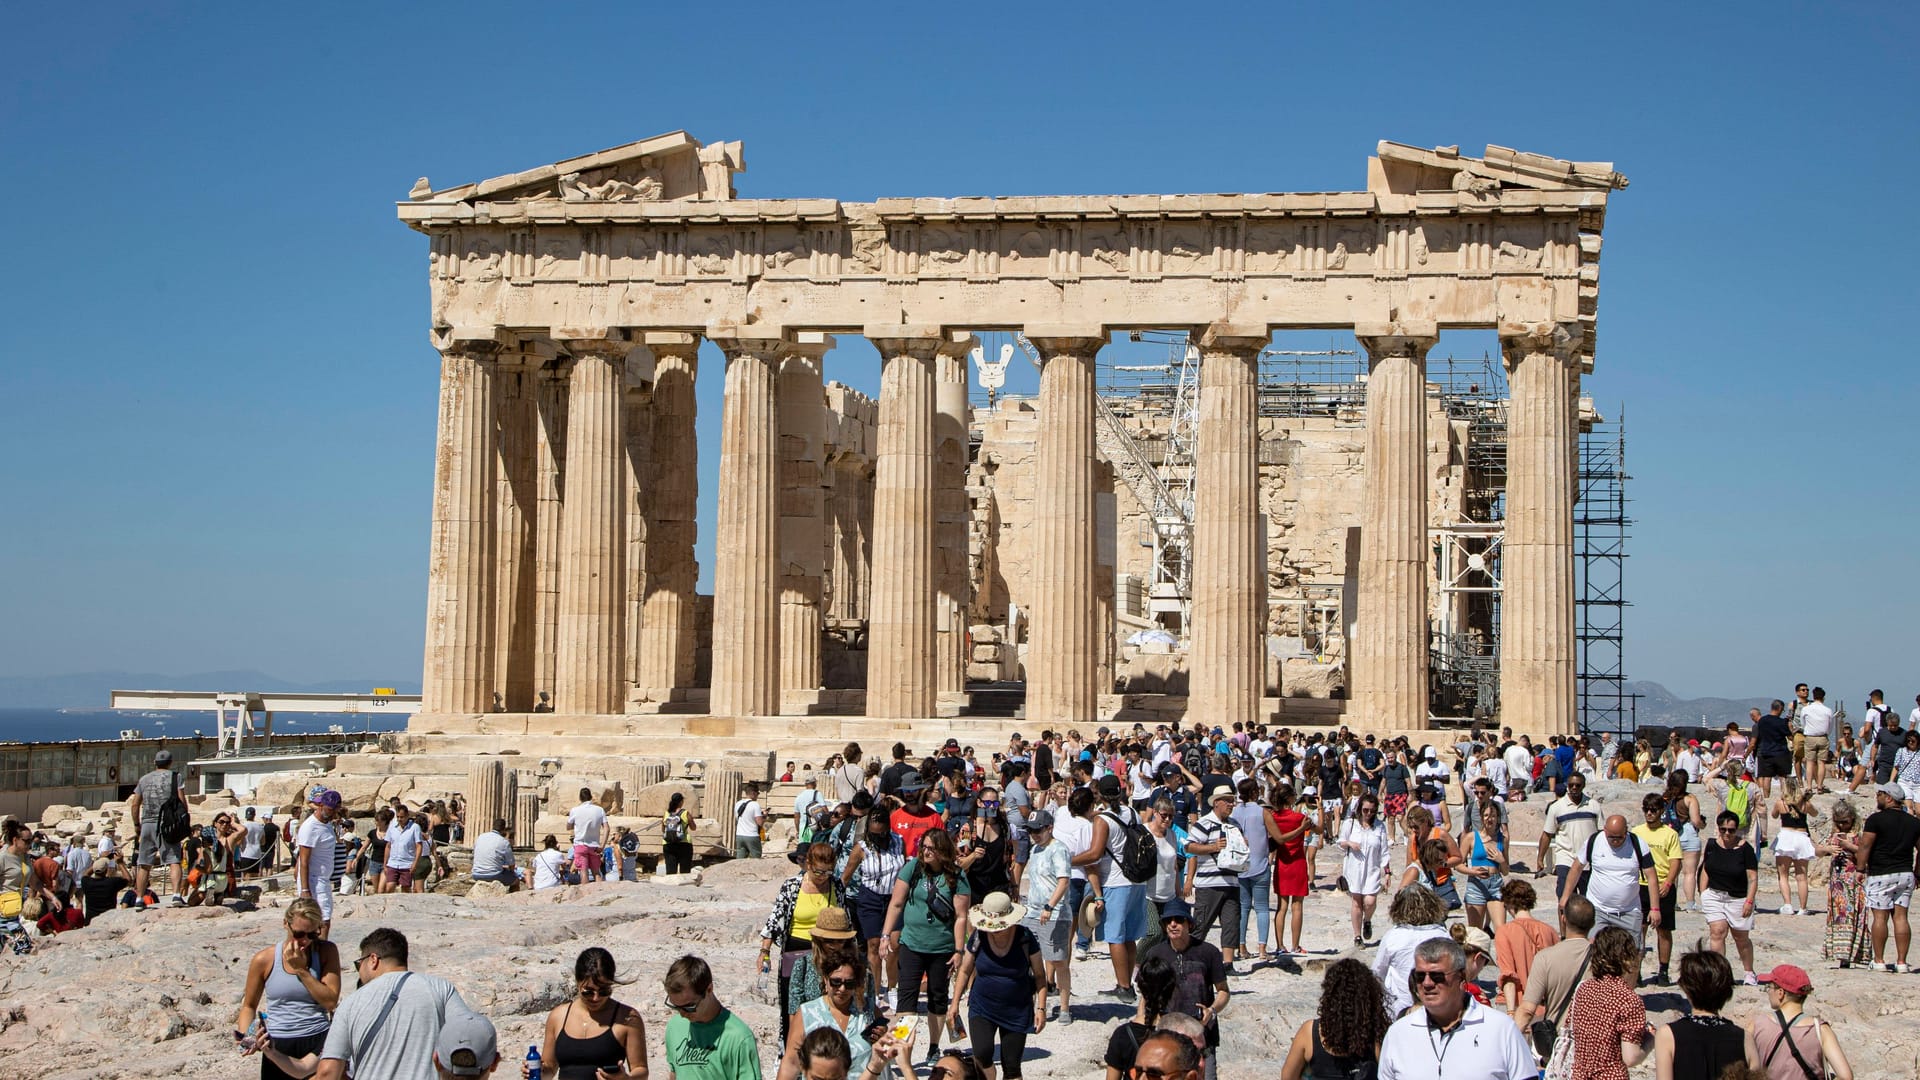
(1600, 531)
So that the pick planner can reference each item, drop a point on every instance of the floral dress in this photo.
(1846, 940)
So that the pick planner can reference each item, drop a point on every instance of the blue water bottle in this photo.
(533, 1063)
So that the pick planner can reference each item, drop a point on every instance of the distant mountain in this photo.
(1659, 706)
(90, 689)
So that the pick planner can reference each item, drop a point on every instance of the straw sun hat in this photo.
(997, 912)
(833, 924)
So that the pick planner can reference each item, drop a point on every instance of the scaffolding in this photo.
(1600, 531)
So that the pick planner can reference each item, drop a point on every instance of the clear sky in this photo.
(217, 395)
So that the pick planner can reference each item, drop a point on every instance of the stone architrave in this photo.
(1063, 652)
(803, 517)
(1538, 663)
(1389, 653)
(588, 668)
(550, 486)
(902, 676)
(461, 570)
(516, 401)
(950, 508)
(746, 586)
(1226, 676)
(666, 634)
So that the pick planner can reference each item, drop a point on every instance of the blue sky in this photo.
(217, 397)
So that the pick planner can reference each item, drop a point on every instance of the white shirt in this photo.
(106, 842)
(1073, 833)
(805, 801)
(1163, 750)
(747, 822)
(1613, 882)
(403, 844)
(250, 848)
(1689, 762)
(1816, 718)
(318, 836)
(1913, 718)
(547, 867)
(1485, 1045)
(1519, 764)
(589, 824)
(1496, 771)
(491, 854)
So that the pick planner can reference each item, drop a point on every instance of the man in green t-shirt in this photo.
(704, 1040)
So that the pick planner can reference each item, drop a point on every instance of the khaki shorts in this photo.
(1799, 746)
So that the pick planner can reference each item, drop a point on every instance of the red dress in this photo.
(1290, 877)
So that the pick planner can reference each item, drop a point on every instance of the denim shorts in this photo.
(1481, 891)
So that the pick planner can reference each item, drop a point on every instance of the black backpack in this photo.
(175, 822)
(1139, 857)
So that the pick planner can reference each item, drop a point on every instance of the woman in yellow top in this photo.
(798, 906)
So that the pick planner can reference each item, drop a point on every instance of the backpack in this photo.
(1139, 855)
(1633, 840)
(1234, 858)
(674, 829)
(175, 823)
(1739, 796)
(1370, 759)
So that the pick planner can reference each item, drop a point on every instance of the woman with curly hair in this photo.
(1608, 1019)
(1345, 1036)
(1417, 915)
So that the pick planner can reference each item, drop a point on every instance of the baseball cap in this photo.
(1038, 820)
(325, 797)
(1892, 791)
(1108, 786)
(1789, 978)
(163, 757)
(466, 1045)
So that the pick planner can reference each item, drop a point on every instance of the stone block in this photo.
(651, 802)
(754, 766)
(486, 890)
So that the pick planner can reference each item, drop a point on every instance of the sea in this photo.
(67, 725)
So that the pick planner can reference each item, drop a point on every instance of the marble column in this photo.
(902, 676)
(1062, 650)
(588, 668)
(460, 564)
(803, 513)
(1388, 656)
(636, 422)
(950, 515)
(516, 402)
(666, 634)
(550, 487)
(746, 587)
(1226, 663)
(1538, 661)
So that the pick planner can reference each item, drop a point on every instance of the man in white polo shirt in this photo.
(1610, 864)
(1448, 1034)
(1570, 820)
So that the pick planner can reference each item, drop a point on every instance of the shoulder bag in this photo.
(1544, 1032)
(380, 1021)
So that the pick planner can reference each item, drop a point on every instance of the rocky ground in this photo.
(153, 994)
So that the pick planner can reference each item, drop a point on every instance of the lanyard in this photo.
(1446, 1041)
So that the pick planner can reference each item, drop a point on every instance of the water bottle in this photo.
(533, 1062)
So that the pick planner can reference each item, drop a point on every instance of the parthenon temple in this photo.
(868, 551)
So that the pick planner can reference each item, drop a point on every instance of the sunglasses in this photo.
(1431, 976)
(595, 991)
(689, 1008)
(844, 984)
(941, 1072)
(364, 959)
(303, 935)
(1148, 1072)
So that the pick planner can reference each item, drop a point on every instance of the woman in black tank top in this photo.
(1699, 1046)
(1347, 1033)
(604, 1034)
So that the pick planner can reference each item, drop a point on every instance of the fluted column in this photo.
(1537, 643)
(637, 436)
(1226, 672)
(902, 675)
(1388, 656)
(746, 596)
(803, 516)
(458, 674)
(591, 625)
(1062, 651)
(550, 487)
(666, 634)
(950, 515)
(516, 403)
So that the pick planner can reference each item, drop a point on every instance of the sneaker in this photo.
(1066, 1016)
(1113, 991)
(893, 999)
(1754, 980)
(1900, 969)
(933, 1053)
(177, 900)
(1787, 909)
(1127, 995)
(1366, 929)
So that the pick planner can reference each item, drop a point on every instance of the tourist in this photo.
(1608, 871)
(1288, 829)
(550, 865)
(247, 863)
(100, 890)
(1363, 839)
(593, 1034)
(1681, 813)
(844, 1007)
(1906, 770)
(848, 774)
(1122, 902)
(404, 840)
(913, 819)
(1168, 866)
(835, 943)
(1165, 1055)
(1888, 741)
(1607, 1022)
(704, 1040)
(1396, 788)
(1850, 766)
(1886, 852)
(986, 856)
(1789, 1050)
(1422, 829)
(1256, 825)
(1485, 869)
(1213, 874)
(1702, 1044)
(676, 836)
(1156, 983)
(1070, 807)
(1571, 820)
(589, 824)
(1730, 876)
(20, 881)
(1417, 915)
(468, 1046)
(1820, 730)
(1425, 1043)
(1200, 977)
(1557, 969)
(1658, 904)
(1792, 846)
(926, 925)
(1049, 916)
(292, 989)
(389, 1031)
(1518, 940)
(1004, 982)
(748, 822)
(873, 865)
(493, 857)
(789, 927)
(1846, 941)
(1773, 740)
(890, 777)
(150, 793)
(313, 866)
(1344, 1037)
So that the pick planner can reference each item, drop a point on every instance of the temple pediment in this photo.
(1399, 169)
(665, 168)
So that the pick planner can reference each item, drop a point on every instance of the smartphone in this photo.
(905, 1028)
(874, 1031)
